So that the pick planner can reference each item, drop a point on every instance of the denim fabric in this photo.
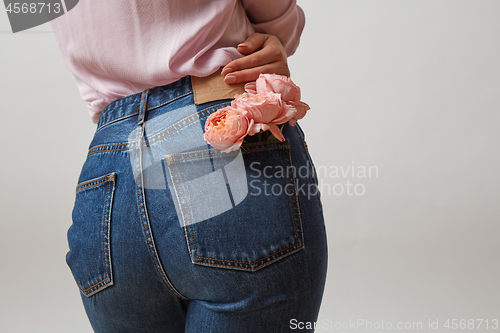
(171, 235)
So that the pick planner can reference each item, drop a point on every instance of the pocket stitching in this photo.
(247, 263)
(297, 223)
(108, 278)
(95, 182)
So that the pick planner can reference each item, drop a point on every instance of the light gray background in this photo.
(410, 87)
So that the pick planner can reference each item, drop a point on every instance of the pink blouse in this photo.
(117, 48)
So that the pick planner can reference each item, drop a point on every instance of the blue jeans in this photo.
(170, 235)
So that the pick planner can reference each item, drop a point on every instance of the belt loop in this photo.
(143, 107)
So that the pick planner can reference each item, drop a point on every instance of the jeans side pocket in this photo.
(89, 257)
(238, 210)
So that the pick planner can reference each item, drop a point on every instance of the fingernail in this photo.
(242, 45)
(230, 79)
(226, 70)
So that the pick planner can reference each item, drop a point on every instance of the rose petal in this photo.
(289, 112)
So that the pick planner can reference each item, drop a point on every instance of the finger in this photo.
(272, 52)
(256, 59)
(252, 74)
(251, 87)
(253, 43)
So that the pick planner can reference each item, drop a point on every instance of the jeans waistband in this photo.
(158, 96)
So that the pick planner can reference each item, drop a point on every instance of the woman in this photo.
(170, 234)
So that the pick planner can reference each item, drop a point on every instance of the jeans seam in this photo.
(169, 101)
(291, 180)
(153, 253)
(147, 228)
(115, 120)
(191, 119)
(181, 208)
(310, 163)
(128, 146)
(148, 109)
(132, 145)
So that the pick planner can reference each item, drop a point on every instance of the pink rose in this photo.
(267, 111)
(279, 84)
(226, 128)
(290, 92)
(270, 101)
(264, 108)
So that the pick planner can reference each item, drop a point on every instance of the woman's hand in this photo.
(264, 54)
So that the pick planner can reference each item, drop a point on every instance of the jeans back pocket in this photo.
(239, 210)
(89, 257)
